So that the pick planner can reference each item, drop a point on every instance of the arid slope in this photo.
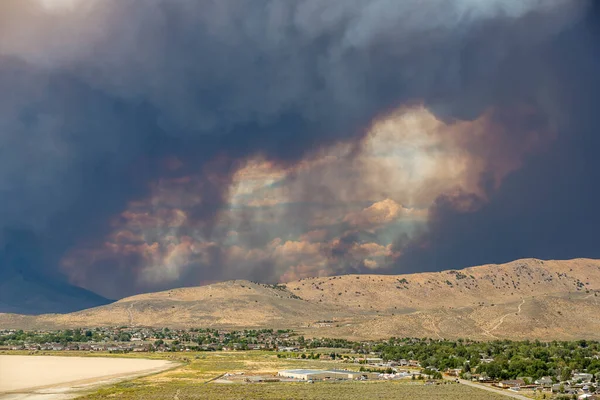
(522, 299)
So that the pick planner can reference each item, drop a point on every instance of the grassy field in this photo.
(322, 390)
(192, 379)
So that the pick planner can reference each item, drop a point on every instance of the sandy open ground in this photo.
(26, 373)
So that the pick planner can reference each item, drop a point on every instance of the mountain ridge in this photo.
(528, 298)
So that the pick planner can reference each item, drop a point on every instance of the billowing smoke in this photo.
(125, 126)
(546, 208)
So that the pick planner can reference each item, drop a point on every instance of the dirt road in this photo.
(490, 389)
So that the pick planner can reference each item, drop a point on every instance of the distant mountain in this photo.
(26, 289)
(26, 292)
(524, 299)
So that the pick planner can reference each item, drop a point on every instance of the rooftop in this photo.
(303, 371)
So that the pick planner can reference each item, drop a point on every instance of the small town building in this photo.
(544, 381)
(315, 375)
(564, 389)
(582, 377)
(306, 374)
(287, 348)
(260, 379)
(511, 383)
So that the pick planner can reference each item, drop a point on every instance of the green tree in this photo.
(124, 337)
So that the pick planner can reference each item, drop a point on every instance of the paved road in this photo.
(507, 393)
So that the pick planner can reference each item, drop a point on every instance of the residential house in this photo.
(511, 383)
(544, 381)
(287, 348)
(582, 377)
(563, 388)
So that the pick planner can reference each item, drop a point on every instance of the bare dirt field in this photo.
(21, 376)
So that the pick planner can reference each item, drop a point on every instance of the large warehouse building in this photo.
(315, 374)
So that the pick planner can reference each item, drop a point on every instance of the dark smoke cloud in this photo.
(100, 95)
(546, 209)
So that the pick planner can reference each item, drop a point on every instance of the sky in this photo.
(151, 144)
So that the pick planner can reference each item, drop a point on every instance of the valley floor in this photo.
(195, 376)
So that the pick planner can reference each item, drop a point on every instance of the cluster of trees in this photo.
(241, 338)
(331, 343)
(388, 370)
(167, 333)
(432, 373)
(310, 356)
(501, 359)
(304, 356)
(64, 337)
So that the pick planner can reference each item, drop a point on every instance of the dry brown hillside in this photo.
(522, 299)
